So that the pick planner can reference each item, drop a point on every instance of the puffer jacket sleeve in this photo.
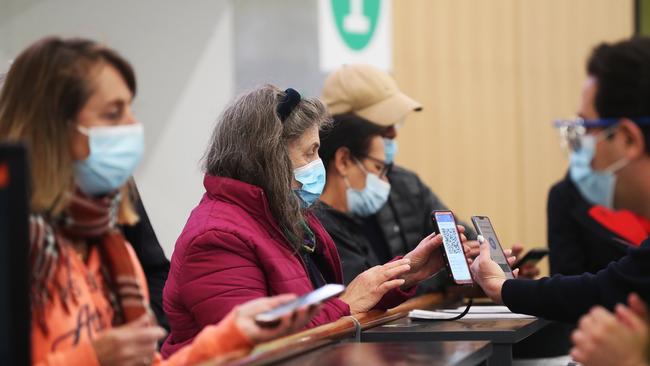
(220, 272)
(331, 311)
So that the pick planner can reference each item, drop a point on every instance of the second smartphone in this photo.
(484, 227)
(317, 296)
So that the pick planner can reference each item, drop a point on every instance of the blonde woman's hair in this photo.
(40, 97)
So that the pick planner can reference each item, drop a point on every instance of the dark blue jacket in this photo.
(567, 298)
(577, 242)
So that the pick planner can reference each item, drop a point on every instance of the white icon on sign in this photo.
(356, 22)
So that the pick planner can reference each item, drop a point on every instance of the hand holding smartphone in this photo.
(270, 317)
(453, 253)
(484, 227)
(531, 257)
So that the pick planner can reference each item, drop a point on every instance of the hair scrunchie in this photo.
(288, 103)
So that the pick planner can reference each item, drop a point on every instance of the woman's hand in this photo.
(365, 291)
(133, 344)
(427, 260)
(245, 318)
(603, 338)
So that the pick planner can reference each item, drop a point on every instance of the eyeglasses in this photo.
(572, 130)
(384, 169)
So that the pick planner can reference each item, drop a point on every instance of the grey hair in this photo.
(250, 144)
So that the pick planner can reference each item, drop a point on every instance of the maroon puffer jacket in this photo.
(232, 251)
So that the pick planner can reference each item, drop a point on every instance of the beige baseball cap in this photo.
(368, 92)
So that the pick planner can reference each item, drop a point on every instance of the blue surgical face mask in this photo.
(115, 151)
(312, 178)
(369, 200)
(597, 187)
(390, 148)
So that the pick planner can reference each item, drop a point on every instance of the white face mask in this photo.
(371, 198)
(115, 152)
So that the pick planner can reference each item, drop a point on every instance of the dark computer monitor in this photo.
(15, 315)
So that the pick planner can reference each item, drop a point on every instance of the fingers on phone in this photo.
(485, 253)
(390, 285)
(396, 271)
(268, 324)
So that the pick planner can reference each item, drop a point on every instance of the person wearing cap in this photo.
(352, 151)
(372, 94)
(615, 104)
(399, 225)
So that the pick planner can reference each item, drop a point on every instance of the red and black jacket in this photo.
(585, 238)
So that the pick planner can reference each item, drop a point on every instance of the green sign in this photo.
(643, 18)
(356, 21)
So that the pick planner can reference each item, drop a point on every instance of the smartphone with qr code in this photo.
(453, 253)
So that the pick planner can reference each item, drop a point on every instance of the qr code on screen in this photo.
(451, 239)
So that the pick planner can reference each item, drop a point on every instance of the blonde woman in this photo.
(69, 101)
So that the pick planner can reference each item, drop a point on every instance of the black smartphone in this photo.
(317, 296)
(484, 228)
(453, 252)
(533, 256)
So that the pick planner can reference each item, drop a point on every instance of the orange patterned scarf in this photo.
(91, 221)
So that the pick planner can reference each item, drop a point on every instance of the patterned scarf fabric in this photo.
(91, 221)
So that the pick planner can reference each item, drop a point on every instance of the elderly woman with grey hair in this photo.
(254, 233)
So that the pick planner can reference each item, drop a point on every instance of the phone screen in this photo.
(453, 246)
(314, 297)
(484, 227)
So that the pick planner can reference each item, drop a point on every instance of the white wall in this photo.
(183, 56)
(277, 42)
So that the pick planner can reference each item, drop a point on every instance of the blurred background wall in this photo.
(183, 56)
(491, 75)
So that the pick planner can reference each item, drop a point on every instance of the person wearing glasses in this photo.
(613, 157)
(405, 218)
(356, 187)
(588, 225)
